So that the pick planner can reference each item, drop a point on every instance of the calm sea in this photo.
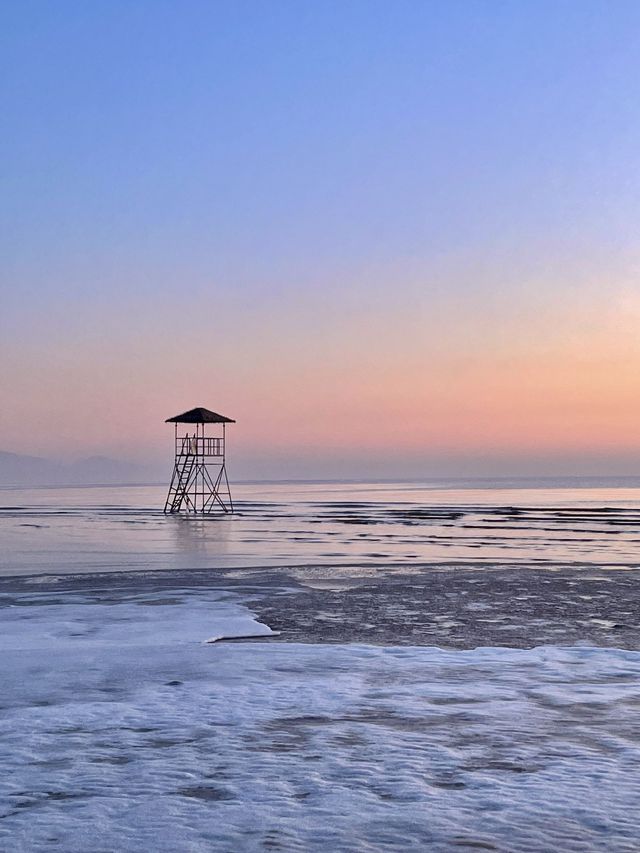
(96, 529)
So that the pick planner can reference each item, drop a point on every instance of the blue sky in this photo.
(292, 198)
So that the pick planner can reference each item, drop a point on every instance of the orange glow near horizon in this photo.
(453, 381)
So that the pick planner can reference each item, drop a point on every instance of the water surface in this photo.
(92, 529)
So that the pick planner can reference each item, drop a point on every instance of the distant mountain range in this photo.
(19, 470)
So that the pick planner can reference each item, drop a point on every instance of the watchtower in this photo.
(199, 482)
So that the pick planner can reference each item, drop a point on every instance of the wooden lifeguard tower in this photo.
(199, 482)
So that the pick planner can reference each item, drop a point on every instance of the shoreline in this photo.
(449, 606)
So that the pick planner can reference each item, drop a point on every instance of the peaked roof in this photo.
(199, 415)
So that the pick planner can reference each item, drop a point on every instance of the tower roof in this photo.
(199, 415)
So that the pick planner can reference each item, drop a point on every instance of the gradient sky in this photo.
(389, 238)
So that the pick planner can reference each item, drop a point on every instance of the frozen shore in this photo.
(121, 728)
(449, 605)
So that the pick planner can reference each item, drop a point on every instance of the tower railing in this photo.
(192, 446)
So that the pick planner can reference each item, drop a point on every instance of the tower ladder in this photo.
(180, 483)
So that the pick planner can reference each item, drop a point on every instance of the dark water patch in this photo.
(115, 760)
(351, 519)
(137, 729)
(167, 742)
(390, 719)
(286, 723)
(499, 765)
(472, 843)
(425, 514)
(53, 763)
(207, 793)
(27, 800)
(158, 602)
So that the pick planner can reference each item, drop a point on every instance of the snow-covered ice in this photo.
(101, 620)
(120, 729)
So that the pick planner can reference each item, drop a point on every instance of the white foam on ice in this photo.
(117, 740)
(47, 621)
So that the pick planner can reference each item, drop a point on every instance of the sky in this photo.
(388, 238)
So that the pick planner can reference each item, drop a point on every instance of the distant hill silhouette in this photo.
(19, 470)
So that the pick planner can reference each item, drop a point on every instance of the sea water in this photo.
(82, 529)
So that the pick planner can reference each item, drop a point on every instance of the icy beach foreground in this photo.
(121, 728)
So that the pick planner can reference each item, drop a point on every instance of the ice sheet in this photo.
(100, 620)
(130, 734)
